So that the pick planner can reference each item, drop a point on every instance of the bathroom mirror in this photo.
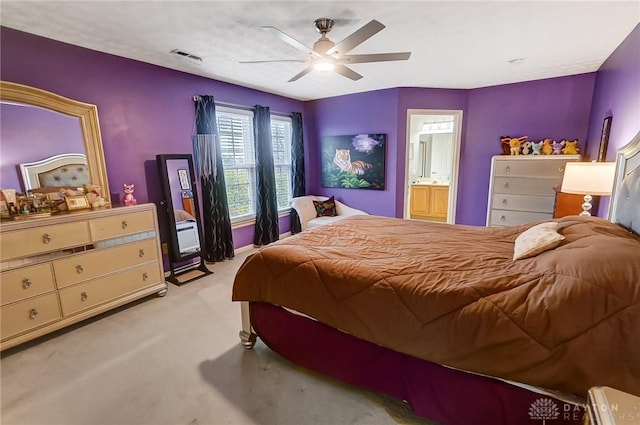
(180, 202)
(69, 127)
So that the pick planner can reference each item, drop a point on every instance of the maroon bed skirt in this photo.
(445, 395)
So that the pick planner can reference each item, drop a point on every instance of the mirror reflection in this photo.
(48, 134)
(183, 206)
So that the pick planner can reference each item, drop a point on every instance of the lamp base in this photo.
(586, 206)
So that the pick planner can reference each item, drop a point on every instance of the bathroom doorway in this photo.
(432, 164)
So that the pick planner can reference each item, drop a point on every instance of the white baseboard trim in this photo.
(249, 247)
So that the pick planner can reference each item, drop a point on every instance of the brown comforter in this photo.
(568, 319)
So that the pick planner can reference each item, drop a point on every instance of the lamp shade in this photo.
(588, 178)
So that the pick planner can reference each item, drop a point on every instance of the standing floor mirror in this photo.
(183, 215)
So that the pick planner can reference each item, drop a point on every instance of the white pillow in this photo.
(536, 240)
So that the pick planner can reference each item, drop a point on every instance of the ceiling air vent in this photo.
(188, 56)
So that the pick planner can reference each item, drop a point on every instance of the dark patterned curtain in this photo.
(218, 239)
(267, 228)
(297, 167)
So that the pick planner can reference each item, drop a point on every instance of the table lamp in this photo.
(588, 178)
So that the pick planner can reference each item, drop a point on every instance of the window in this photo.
(236, 143)
(235, 127)
(281, 144)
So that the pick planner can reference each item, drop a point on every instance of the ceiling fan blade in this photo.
(276, 60)
(359, 36)
(347, 72)
(375, 57)
(301, 74)
(290, 40)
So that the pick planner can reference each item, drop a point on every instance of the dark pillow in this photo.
(325, 208)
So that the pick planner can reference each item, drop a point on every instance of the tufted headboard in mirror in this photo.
(87, 116)
(64, 170)
(625, 199)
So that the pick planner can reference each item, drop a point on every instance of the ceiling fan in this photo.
(329, 56)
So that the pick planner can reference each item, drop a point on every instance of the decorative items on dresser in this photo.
(522, 188)
(60, 270)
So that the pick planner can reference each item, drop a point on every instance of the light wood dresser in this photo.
(608, 406)
(63, 269)
(522, 188)
(429, 201)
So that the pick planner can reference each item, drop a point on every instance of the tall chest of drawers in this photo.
(522, 188)
(63, 269)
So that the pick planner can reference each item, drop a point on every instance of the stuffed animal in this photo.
(504, 141)
(525, 148)
(570, 148)
(535, 148)
(546, 147)
(515, 143)
(128, 195)
(557, 147)
(94, 195)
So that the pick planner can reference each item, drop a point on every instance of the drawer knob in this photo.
(33, 313)
(503, 218)
(26, 283)
(507, 168)
(79, 269)
(506, 184)
(504, 202)
(145, 276)
(141, 253)
(83, 296)
(46, 238)
(124, 224)
(561, 169)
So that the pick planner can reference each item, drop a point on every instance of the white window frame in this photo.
(243, 220)
(286, 162)
(250, 166)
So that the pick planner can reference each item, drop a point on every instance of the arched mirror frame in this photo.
(85, 112)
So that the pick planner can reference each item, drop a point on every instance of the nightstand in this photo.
(607, 406)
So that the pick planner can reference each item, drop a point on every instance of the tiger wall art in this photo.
(354, 162)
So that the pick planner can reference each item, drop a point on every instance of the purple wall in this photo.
(30, 128)
(617, 94)
(556, 108)
(371, 112)
(144, 109)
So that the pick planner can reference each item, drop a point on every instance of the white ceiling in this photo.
(454, 44)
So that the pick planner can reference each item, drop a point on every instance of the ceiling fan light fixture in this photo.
(323, 66)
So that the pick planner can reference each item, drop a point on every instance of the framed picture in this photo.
(184, 179)
(77, 202)
(604, 139)
(354, 162)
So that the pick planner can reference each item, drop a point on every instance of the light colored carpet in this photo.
(175, 360)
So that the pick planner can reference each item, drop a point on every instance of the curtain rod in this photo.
(243, 107)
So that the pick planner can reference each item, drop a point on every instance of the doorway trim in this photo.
(455, 167)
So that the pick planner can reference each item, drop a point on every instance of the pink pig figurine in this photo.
(129, 199)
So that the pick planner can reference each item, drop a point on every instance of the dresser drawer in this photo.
(514, 218)
(526, 185)
(86, 295)
(26, 282)
(28, 314)
(26, 242)
(523, 203)
(121, 225)
(531, 167)
(93, 264)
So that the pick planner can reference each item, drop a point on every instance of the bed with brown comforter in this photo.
(566, 319)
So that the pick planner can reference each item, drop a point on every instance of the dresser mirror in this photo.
(65, 132)
(180, 202)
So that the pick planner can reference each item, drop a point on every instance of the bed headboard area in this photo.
(65, 170)
(625, 199)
